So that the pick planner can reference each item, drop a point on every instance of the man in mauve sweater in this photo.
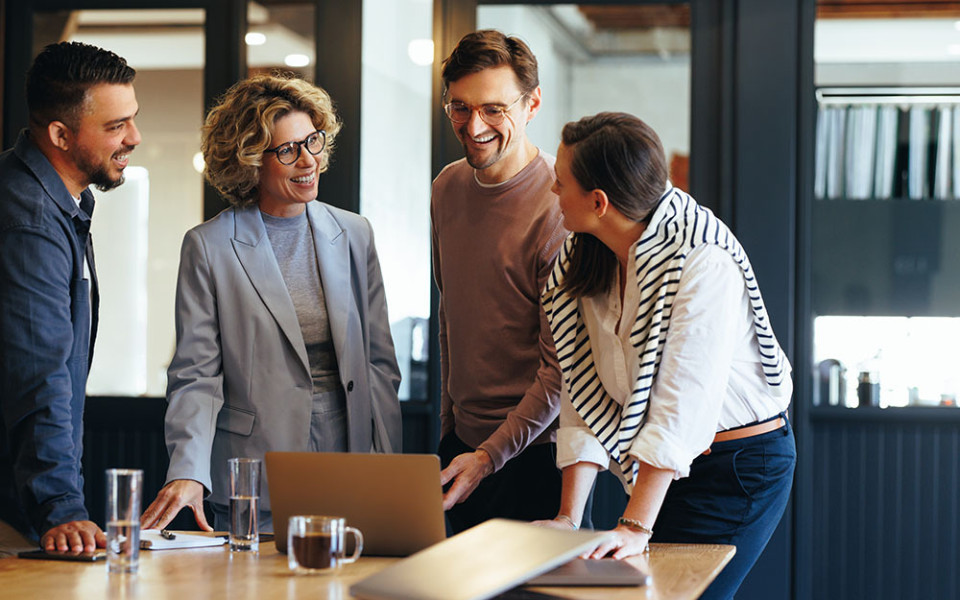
(496, 232)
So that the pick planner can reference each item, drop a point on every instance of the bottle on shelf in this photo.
(868, 383)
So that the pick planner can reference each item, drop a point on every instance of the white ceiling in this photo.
(173, 39)
(886, 40)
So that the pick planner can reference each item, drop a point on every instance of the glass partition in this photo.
(395, 169)
(280, 36)
(139, 226)
(629, 58)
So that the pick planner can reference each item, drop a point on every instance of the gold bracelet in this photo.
(634, 524)
(568, 519)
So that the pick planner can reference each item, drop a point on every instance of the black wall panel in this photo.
(886, 524)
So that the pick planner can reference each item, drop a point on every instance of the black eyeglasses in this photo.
(289, 153)
(491, 114)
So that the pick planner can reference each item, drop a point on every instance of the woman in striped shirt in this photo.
(673, 378)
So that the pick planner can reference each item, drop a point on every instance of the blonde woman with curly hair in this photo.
(283, 340)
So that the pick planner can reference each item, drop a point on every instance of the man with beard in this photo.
(82, 107)
(496, 232)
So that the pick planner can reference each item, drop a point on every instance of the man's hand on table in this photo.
(75, 536)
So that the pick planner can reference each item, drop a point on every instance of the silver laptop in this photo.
(395, 500)
(477, 564)
(593, 573)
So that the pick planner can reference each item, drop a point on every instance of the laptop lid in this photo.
(477, 564)
(593, 573)
(395, 500)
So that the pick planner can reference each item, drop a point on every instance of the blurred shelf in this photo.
(932, 415)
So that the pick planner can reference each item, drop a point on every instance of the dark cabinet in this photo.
(886, 257)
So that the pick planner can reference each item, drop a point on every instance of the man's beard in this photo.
(477, 163)
(102, 180)
(98, 174)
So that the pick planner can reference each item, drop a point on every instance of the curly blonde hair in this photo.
(237, 130)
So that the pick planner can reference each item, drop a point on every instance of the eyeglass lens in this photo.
(491, 114)
(289, 153)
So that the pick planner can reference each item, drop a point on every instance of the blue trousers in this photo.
(734, 495)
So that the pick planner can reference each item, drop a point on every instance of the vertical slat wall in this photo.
(886, 502)
(124, 433)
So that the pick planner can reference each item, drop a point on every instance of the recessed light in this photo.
(255, 38)
(420, 52)
(296, 60)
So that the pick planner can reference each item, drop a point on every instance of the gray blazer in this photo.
(239, 384)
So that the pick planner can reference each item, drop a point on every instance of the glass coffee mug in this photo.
(318, 544)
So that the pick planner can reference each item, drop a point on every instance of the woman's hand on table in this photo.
(622, 543)
(171, 498)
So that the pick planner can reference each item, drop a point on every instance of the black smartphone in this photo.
(94, 556)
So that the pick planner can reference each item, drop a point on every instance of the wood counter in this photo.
(679, 571)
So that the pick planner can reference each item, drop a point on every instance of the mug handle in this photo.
(359, 546)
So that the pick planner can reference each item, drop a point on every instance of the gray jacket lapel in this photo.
(253, 249)
(333, 257)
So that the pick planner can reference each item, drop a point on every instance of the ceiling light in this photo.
(255, 38)
(198, 162)
(421, 52)
(296, 60)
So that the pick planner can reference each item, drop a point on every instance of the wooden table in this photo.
(678, 570)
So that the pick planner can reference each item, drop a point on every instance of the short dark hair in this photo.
(61, 75)
(623, 156)
(490, 48)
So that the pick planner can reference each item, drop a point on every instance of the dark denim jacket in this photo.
(46, 341)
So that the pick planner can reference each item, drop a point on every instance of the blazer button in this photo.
(350, 386)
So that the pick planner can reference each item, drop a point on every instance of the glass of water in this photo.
(124, 491)
(244, 504)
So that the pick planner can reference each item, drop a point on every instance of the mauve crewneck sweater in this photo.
(493, 248)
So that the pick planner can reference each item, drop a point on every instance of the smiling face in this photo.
(579, 207)
(496, 152)
(105, 136)
(286, 189)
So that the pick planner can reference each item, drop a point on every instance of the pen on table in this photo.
(167, 535)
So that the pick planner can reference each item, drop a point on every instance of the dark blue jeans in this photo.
(734, 495)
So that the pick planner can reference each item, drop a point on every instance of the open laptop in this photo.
(477, 564)
(394, 500)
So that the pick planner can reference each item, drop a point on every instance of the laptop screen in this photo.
(395, 500)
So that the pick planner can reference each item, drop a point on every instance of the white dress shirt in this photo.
(86, 273)
(710, 376)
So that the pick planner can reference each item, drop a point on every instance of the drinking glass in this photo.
(124, 491)
(244, 504)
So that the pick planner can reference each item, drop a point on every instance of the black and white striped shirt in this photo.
(678, 226)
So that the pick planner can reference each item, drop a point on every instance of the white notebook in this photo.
(150, 539)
